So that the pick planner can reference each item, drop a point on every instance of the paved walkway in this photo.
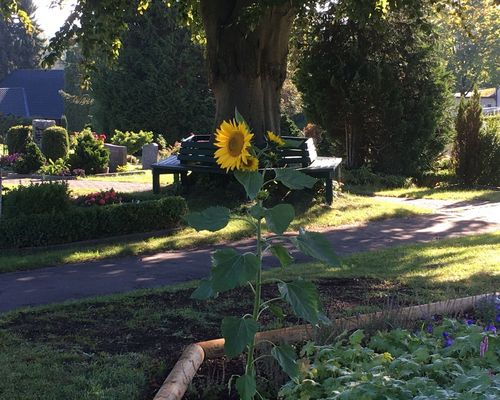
(76, 281)
(92, 185)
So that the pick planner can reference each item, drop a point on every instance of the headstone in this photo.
(149, 155)
(117, 156)
(39, 125)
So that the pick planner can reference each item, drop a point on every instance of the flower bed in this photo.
(452, 360)
(469, 344)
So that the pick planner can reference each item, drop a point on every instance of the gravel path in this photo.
(76, 281)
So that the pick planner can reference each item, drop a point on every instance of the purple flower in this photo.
(490, 328)
(448, 341)
(497, 319)
(430, 328)
(469, 322)
(446, 335)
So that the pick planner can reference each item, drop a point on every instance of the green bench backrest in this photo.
(198, 150)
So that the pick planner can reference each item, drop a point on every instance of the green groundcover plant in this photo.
(231, 268)
(455, 359)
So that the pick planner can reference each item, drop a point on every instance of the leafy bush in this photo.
(288, 127)
(84, 223)
(55, 142)
(56, 168)
(42, 198)
(466, 147)
(18, 137)
(456, 360)
(31, 161)
(133, 141)
(90, 154)
(489, 152)
(8, 121)
(364, 176)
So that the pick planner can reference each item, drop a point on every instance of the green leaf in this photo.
(231, 269)
(277, 311)
(303, 297)
(316, 245)
(239, 118)
(211, 219)
(287, 359)
(251, 181)
(279, 218)
(281, 254)
(294, 179)
(257, 211)
(238, 334)
(246, 387)
(356, 337)
(204, 291)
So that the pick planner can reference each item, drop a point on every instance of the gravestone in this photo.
(39, 125)
(149, 155)
(117, 156)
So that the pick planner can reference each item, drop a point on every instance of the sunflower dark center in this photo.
(235, 144)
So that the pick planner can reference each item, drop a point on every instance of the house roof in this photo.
(13, 101)
(483, 93)
(40, 89)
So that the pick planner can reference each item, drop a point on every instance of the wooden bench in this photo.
(197, 155)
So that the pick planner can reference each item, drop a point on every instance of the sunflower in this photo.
(275, 138)
(233, 141)
(252, 164)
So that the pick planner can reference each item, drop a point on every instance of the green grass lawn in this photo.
(347, 209)
(142, 177)
(444, 193)
(122, 346)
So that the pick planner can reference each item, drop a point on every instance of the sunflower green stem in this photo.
(250, 368)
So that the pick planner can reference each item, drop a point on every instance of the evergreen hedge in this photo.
(18, 137)
(55, 142)
(79, 224)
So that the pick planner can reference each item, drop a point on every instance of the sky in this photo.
(51, 19)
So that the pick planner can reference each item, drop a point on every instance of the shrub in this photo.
(84, 223)
(489, 152)
(288, 127)
(30, 161)
(365, 177)
(56, 168)
(90, 154)
(42, 198)
(466, 151)
(55, 142)
(18, 137)
(133, 141)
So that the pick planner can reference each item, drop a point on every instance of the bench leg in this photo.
(156, 182)
(329, 190)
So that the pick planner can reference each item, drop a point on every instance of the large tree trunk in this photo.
(247, 60)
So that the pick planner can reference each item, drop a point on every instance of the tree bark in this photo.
(247, 55)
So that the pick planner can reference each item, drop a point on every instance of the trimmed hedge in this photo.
(18, 137)
(40, 198)
(91, 223)
(55, 142)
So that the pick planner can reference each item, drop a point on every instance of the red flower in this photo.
(102, 202)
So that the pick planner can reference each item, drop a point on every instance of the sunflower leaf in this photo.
(239, 118)
(251, 181)
(231, 269)
(279, 218)
(294, 179)
(211, 219)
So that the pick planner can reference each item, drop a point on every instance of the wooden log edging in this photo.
(177, 382)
